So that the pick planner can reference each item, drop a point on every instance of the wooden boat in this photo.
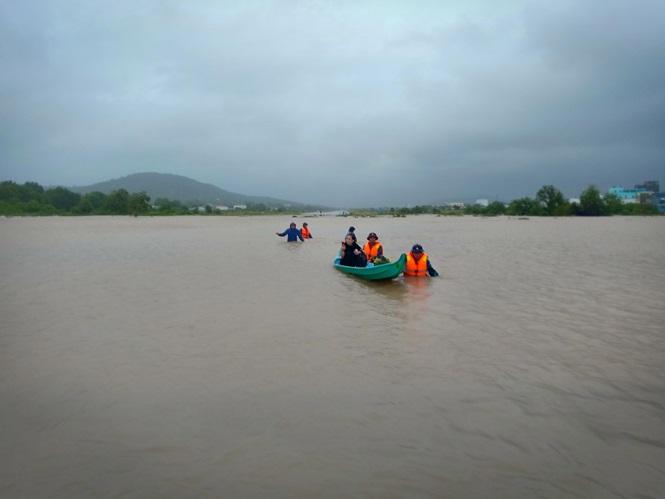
(375, 272)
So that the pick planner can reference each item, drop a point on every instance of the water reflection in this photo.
(393, 290)
(405, 290)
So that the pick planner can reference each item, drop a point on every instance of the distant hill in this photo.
(185, 190)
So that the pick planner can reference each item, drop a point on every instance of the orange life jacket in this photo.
(305, 233)
(372, 251)
(413, 268)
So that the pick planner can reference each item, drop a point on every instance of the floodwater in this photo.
(205, 357)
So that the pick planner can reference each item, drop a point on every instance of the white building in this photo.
(483, 202)
(239, 206)
(221, 207)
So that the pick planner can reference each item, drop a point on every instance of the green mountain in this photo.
(185, 190)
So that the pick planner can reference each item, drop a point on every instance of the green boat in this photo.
(375, 272)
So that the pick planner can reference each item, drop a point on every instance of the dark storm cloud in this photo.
(338, 103)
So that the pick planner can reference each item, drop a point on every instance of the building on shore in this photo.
(658, 200)
(652, 186)
(483, 202)
(641, 193)
(627, 196)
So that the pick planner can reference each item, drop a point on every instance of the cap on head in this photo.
(417, 248)
(372, 235)
(352, 229)
(304, 224)
(292, 224)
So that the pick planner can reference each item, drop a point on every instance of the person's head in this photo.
(372, 237)
(352, 229)
(293, 225)
(350, 239)
(417, 251)
(304, 224)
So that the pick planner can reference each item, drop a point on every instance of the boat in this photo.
(374, 272)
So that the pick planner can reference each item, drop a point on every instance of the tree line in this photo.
(548, 201)
(31, 198)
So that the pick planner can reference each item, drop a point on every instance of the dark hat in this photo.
(372, 234)
(352, 229)
(304, 224)
(417, 248)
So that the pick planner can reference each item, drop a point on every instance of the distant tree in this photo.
(33, 207)
(257, 207)
(84, 207)
(551, 198)
(138, 203)
(474, 209)
(524, 206)
(30, 191)
(208, 209)
(613, 205)
(91, 202)
(9, 191)
(639, 209)
(116, 202)
(575, 209)
(591, 203)
(96, 199)
(564, 210)
(169, 205)
(495, 208)
(61, 198)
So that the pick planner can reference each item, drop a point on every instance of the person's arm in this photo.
(431, 270)
(362, 259)
(342, 251)
(300, 235)
(281, 234)
(379, 252)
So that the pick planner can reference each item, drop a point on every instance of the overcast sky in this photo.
(346, 103)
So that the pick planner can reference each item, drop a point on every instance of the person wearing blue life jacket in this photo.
(292, 234)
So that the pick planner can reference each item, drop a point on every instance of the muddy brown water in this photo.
(205, 357)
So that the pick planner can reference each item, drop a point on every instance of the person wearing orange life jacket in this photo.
(306, 233)
(373, 248)
(418, 264)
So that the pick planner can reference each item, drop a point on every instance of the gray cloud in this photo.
(334, 102)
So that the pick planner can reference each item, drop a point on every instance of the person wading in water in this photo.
(418, 264)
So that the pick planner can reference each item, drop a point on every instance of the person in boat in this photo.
(292, 234)
(305, 232)
(351, 254)
(418, 264)
(373, 248)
